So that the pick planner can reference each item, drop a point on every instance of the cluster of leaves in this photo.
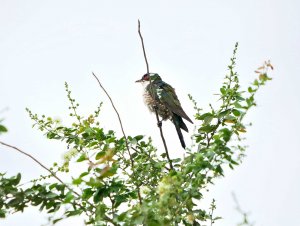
(108, 179)
(124, 181)
(15, 198)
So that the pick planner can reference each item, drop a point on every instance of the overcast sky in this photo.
(189, 43)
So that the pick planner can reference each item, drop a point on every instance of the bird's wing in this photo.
(167, 95)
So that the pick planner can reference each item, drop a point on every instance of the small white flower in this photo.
(145, 190)
(69, 154)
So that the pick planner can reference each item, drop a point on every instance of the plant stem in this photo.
(155, 108)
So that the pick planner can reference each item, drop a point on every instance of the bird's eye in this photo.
(145, 77)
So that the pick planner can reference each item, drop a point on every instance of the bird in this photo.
(161, 96)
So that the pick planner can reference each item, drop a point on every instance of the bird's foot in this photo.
(159, 124)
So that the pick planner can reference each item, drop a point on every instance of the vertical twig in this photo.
(243, 213)
(144, 51)
(121, 124)
(212, 208)
(155, 108)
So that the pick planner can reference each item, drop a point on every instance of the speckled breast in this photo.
(162, 110)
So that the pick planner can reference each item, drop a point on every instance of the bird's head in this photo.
(150, 76)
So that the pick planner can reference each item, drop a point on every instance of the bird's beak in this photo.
(140, 80)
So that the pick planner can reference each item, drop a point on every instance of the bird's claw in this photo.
(159, 124)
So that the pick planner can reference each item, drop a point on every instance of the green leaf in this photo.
(52, 186)
(176, 160)
(208, 119)
(224, 113)
(138, 220)
(74, 212)
(69, 197)
(15, 180)
(122, 216)
(110, 172)
(102, 153)
(3, 129)
(218, 218)
(207, 128)
(154, 223)
(77, 181)
(15, 201)
(256, 83)
(234, 162)
(52, 135)
(57, 220)
(226, 134)
(119, 199)
(239, 98)
(203, 116)
(51, 195)
(84, 174)
(250, 90)
(100, 194)
(2, 213)
(87, 193)
(236, 112)
(223, 90)
(101, 210)
(82, 158)
(94, 182)
(139, 137)
(237, 105)
(230, 119)
(89, 131)
(219, 170)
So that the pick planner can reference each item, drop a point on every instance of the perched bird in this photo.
(162, 97)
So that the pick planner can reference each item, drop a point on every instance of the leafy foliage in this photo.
(112, 189)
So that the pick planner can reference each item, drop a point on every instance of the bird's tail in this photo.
(178, 122)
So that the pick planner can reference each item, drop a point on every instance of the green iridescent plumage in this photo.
(162, 96)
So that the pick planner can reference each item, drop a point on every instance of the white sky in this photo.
(45, 43)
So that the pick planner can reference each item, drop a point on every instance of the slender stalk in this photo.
(155, 108)
(125, 137)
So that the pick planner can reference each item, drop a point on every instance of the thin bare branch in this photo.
(155, 108)
(242, 212)
(143, 45)
(121, 125)
(119, 118)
